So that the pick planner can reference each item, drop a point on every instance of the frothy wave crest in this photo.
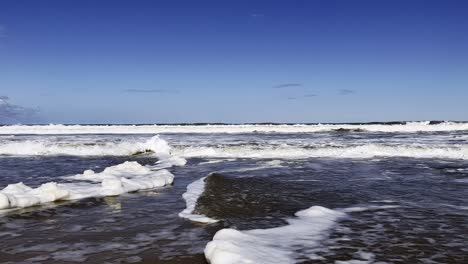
(298, 152)
(47, 147)
(232, 129)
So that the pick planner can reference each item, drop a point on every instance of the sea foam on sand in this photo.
(20, 195)
(301, 238)
(273, 245)
(194, 190)
(114, 180)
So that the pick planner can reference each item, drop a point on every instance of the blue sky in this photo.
(232, 61)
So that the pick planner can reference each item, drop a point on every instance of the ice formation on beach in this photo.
(194, 190)
(273, 245)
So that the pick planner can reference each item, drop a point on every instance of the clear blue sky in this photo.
(232, 61)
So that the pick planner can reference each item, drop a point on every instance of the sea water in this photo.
(269, 193)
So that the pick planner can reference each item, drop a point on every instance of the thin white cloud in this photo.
(11, 113)
(346, 91)
(160, 91)
(287, 85)
(257, 15)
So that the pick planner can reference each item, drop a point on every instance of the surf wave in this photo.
(299, 152)
(154, 145)
(233, 129)
(288, 150)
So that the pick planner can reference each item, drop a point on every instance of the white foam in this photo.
(298, 152)
(194, 190)
(158, 146)
(215, 161)
(19, 195)
(369, 208)
(51, 147)
(169, 162)
(234, 129)
(465, 180)
(362, 258)
(114, 180)
(273, 245)
(460, 207)
(272, 164)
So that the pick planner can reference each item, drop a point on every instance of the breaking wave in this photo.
(232, 129)
(159, 147)
(48, 147)
(297, 152)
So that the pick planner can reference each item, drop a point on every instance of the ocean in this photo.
(246, 193)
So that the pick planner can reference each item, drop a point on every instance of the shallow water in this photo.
(401, 206)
